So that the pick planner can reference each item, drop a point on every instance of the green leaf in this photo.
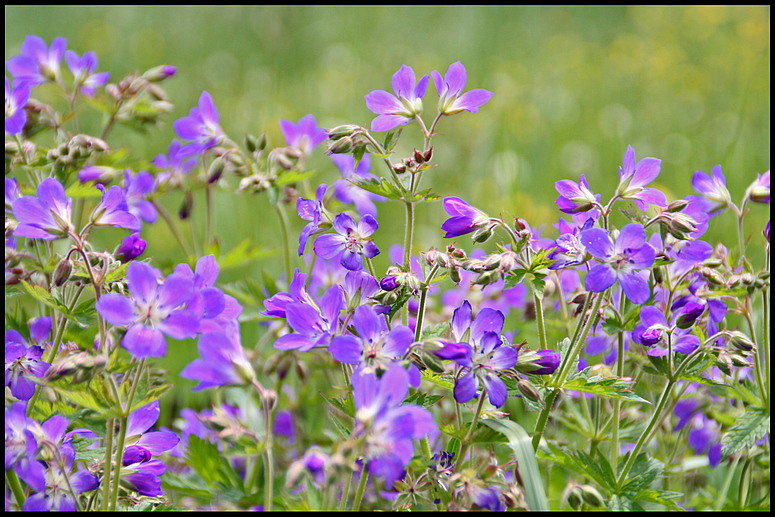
(615, 388)
(660, 497)
(391, 139)
(522, 446)
(749, 427)
(43, 296)
(514, 277)
(437, 330)
(438, 380)
(293, 176)
(205, 459)
(81, 190)
(242, 253)
(191, 485)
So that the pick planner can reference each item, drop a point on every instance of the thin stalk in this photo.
(727, 483)
(361, 488)
(343, 502)
(122, 434)
(209, 216)
(646, 432)
(423, 297)
(286, 243)
(617, 402)
(16, 487)
(108, 451)
(539, 306)
(467, 440)
(569, 359)
(173, 227)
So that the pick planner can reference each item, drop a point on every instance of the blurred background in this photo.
(573, 87)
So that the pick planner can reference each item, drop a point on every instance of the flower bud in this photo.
(216, 170)
(575, 499)
(130, 248)
(678, 205)
(529, 391)
(689, 315)
(426, 157)
(541, 362)
(159, 73)
(341, 131)
(740, 340)
(487, 278)
(400, 168)
(592, 496)
(419, 157)
(342, 146)
(389, 283)
(62, 271)
(482, 235)
(739, 361)
(186, 205)
(454, 275)
(251, 143)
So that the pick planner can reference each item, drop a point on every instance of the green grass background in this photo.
(573, 86)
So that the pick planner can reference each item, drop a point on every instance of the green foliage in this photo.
(749, 427)
(615, 388)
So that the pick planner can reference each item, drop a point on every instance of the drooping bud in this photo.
(487, 278)
(678, 205)
(689, 315)
(389, 283)
(592, 496)
(540, 362)
(186, 205)
(342, 146)
(62, 271)
(400, 168)
(130, 248)
(216, 170)
(740, 340)
(419, 157)
(575, 499)
(529, 391)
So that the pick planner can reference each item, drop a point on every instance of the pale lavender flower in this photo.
(223, 361)
(576, 197)
(395, 111)
(312, 211)
(305, 135)
(23, 360)
(130, 248)
(465, 218)
(174, 166)
(214, 309)
(621, 261)
(83, 69)
(138, 187)
(113, 210)
(200, 126)
(450, 88)
(714, 197)
(15, 101)
(37, 63)
(633, 178)
(46, 216)
(313, 326)
(759, 191)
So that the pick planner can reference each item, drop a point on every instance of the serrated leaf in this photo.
(438, 380)
(205, 459)
(749, 427)
(522, 446)
(514, 277)
(612, 388)
(81, 190)
(341, 426)
(242, 253)
(293, 176)
(43, 296)
(660, 497)
(437, 330)
(187, 486)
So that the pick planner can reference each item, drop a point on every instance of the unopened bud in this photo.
(740, 340)
(487, 278)
(678, 205)
(454, 275)
(159, 73)
(389, 283)
(592, 496)
(62, 272)
(251, 143)
(482, 234)
(342, 146)
(186, 205)
(739, 360)
(341, 131)
(711, 276)
(418, 156)
(529, 391)
(216, 170)
(428, 155)
(400, 168)
(575, 499)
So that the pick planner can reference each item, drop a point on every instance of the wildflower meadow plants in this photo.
(364, 390)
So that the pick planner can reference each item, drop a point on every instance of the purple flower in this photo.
(465, 218)
(46, 216)
(130, 248)
(83, 69)
(350, 240)
(174, 166)
(540, 362)
(450, 88)
(276, 305)
(37, 63)
(482, 355)
(213, 309)
(15, 101)
(153, 310)
(633, 178)
(653, 332)
(347, 192)
(758, 192)
(704, 436)
(56, 494)
(395, 111)
(304, 135)
(138, 186)
(569, 250)
(314, 464)
(23, 364)
(620, 261)
(112, 210)
(21, 446)
(200, 126)
(97, 174)
(312, 211)
(576, 197)
(283, 424)
(223, 361)
(374, 346)
(488, 497)
(714, 196)
(314, 326)
(138, 470)
(389, 426)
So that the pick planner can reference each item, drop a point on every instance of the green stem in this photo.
(173, 227)
(119, 459)
(568, 360)
(727, 483)
(361, 488)
(16, 487)
(110, 426)
(539, 306)
(209, 216)
(646, 432)
(286, 243)
(617, 402)
(467, 440)
(343, 502)
(423, 297)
